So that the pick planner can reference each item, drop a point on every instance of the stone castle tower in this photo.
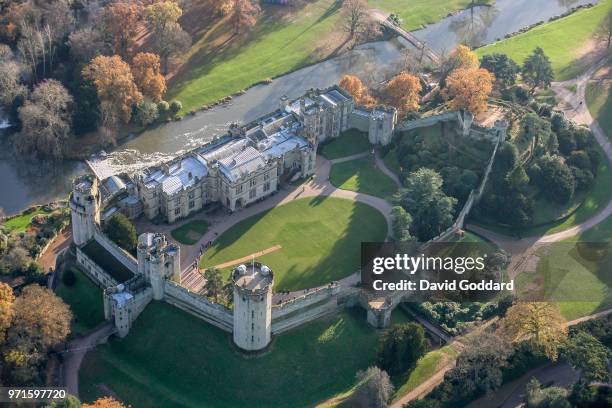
(85, 208)
(157, 261)
(252, 306)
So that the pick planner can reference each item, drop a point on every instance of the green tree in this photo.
(423, 198)
(585, 353)
(400, 347)
(121, 230)
(551, 397)
(555, 179)
(401, 224)
(503, 67)
(537, 70)
(479, 366)
(214, 282)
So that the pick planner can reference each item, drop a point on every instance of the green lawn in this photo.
(361, 175)
(21, 222)
(581, 285)
(197, 365)
(600, 104)
(277, 45)
(191, 232)
(320, 239)
(425, 368)
(417, 13)
(85, 301)
(561, 40)
(347, 144)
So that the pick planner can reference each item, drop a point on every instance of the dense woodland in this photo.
(75, 72)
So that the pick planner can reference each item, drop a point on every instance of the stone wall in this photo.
(198, 306)
(126, 259)
(427, 121)
(94, 272)
(312, 306)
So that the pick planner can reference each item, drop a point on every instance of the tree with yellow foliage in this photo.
(538, 323)
(114, 83)
(105, 402)
(403, 92)
(6, 309)
(147, 75)
(469, 88)
(357, 89)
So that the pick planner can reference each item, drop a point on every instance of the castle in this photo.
(249, 162)
(243, 166)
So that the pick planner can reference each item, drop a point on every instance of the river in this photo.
(23, 184)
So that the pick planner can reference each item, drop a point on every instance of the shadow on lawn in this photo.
(231, 45)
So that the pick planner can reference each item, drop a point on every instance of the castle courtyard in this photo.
(319, 239)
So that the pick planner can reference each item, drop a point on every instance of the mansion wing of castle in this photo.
(249, 162)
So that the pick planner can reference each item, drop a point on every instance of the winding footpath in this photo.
(318, 186)
(574, 106)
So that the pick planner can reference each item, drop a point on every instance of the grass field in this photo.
(347, 144)
(579, 284)
(191, 232)
(320, 239)
(277, 45)
(562, 40)
(361, 175)
(197, 365)
(21, 222)
(85, 301)
(600, 104)
(417, 13)
(425, 368)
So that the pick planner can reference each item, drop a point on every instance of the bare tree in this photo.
(374, 389)
(10, 85)
(45, 119)
(86, 44)
(354, 16)
(604, 32)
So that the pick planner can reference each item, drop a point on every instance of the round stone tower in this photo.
(252, 306)
(85, 208)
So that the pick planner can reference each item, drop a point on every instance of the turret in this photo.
(157, 261)
(252, 306)
(85, 208)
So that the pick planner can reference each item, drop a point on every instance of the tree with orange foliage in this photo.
(105, 402)
(357, 89)
(115, 85)
(120, 22)
(403, 92)
(461, 57)
(147, 75)
(469, 88)
(245, 14)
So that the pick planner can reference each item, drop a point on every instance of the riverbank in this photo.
(566, 41)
